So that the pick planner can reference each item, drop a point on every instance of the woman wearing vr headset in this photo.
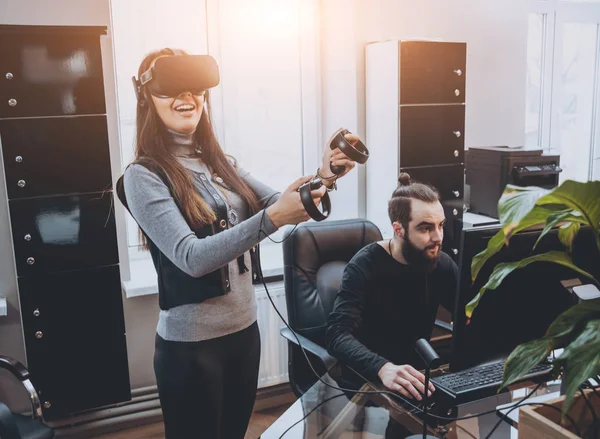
(200, 215)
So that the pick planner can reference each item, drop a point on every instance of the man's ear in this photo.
(398, 229)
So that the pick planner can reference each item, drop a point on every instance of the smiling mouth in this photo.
(184, 108)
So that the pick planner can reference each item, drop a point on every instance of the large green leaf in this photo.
(524, 358)
(494, 246)
(563, 330)
(581, 360)
(534, 217)
(504, 269)
(523, 207)
(566, 322)
(583, 197)
(567, 234)
(555, 218)
(577, 329)
(515, 204)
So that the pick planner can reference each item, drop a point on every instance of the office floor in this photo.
(259, 422)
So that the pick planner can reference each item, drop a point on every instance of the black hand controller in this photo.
(308, 203)
(358, 152)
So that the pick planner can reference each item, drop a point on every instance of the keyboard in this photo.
(480, 381)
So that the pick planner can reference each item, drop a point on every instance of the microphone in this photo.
(432, 361)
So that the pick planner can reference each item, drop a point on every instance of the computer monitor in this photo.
(526, 302)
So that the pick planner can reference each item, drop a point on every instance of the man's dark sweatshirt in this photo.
(384, 306)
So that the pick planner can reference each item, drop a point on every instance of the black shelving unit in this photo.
(415, 115)
(55, 151)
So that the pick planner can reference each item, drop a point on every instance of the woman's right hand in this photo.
(288, 209)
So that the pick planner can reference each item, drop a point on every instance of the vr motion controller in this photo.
(358, 152)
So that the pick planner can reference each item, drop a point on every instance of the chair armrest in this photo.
(22, 374)
(310, 346)
(443, 325)
(8, 426)
(14, 367)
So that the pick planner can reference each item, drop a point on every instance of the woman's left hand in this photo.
(336, 157)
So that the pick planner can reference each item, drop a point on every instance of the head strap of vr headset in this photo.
(147, 76)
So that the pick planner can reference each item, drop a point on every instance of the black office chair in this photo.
(314, 258)
(17, 426)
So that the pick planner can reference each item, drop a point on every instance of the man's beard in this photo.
(417, 257)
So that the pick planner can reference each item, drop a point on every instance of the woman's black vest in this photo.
(175, 287)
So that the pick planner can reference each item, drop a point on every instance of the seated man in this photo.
(390, 293)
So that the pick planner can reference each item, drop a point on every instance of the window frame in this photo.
(543, 7)
(557, 13)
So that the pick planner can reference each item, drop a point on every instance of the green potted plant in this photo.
(568, 206)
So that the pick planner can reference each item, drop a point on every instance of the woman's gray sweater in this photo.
(156, 212)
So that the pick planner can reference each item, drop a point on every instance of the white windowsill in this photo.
(143, 280)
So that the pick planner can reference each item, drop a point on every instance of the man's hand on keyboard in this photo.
(404, 379)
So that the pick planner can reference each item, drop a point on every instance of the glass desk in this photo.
(325, 412)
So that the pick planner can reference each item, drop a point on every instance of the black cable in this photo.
(577, 432)
(503, 417)
(310, 412)
(286, 237)
(592, 411)
(267, 236)
(588, 385)
(595, 392)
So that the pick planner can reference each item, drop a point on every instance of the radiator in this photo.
(274, 356)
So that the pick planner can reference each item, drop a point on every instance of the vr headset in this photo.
(172, 75)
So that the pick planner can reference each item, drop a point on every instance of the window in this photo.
(139, 27)
(262, 98)
(576, 106)
(535, 77)
(563, 84)
(266, 108)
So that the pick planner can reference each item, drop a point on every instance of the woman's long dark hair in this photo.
(150, 145)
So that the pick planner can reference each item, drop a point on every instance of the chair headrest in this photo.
(315, 256)
(315, 244)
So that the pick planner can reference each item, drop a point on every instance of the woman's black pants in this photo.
(207, 388)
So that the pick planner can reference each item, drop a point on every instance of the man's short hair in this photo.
(399, 206)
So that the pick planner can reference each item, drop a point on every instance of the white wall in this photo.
(496, 36)
(55, 12)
